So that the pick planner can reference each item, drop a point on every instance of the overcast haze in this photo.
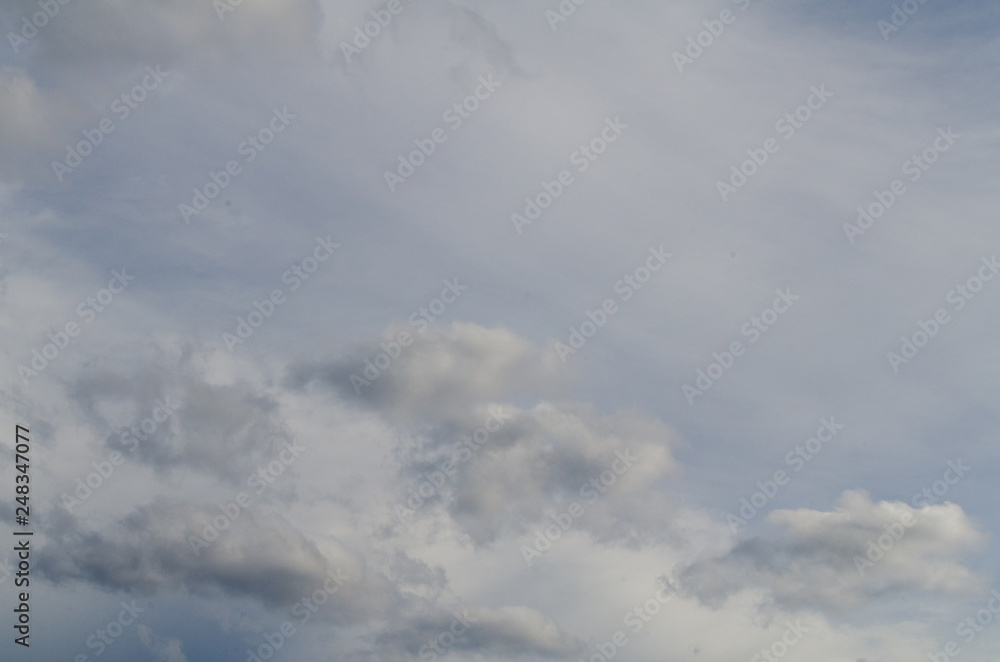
(469, 336)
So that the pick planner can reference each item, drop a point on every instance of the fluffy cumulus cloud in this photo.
(493, 466)
(214, 428)
(836, 560)
(287, 288)
(550, 454)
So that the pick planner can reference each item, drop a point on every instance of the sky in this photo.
(456, 330)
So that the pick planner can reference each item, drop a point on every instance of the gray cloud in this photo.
(228, 431)
(657, 185)
(450, 383)
(258, 556)
(819, 561)
(442, 375)
(544, 458)
(504, 632)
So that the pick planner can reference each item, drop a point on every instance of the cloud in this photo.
(543, 458)
(569, 423)
(267, 559)
(446, 372)
(260, 556)
(516, 465)
(507, 631)
(226, 430)
(224, 423)
(819, 561)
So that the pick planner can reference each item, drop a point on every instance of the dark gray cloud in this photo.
(151, 550)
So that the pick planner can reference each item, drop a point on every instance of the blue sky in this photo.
(249, 318)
